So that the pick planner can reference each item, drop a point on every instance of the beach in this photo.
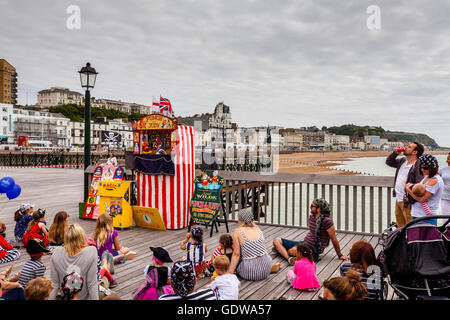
(319, 162)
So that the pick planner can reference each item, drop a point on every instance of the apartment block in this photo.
(8, 83)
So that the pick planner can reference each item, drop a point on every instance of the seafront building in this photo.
(42, 126)
(99, 129)
(212, 129)
(292, 139)
(8, 83)
(56, 96)
(59, 96)
(336, 142)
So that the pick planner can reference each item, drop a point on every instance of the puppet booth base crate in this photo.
(164, 161)
(115, 200)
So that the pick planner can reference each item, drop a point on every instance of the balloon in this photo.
(14, 192)
(6, 184)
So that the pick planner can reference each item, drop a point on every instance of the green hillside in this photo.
(358, 132)
(76, 113)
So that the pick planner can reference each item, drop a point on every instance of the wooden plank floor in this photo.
(62, 189)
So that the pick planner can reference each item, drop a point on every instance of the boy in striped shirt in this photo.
(33, 268)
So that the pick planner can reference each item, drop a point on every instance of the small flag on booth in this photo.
(155, 105)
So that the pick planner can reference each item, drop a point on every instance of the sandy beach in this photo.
(317, 162)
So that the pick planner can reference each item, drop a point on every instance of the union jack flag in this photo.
(164, 105)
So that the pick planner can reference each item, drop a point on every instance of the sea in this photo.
(376, 166)
(280, 210)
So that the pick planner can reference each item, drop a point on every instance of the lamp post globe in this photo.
(88, 75)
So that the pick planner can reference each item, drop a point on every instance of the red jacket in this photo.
(4, 246)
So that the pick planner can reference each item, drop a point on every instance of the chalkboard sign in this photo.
(206, 202)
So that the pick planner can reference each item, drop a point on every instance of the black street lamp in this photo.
(87, 78)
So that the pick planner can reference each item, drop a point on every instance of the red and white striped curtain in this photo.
(171, 194)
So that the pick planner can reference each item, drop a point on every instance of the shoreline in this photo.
(318, 162)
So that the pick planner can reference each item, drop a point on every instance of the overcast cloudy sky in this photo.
(287, 63)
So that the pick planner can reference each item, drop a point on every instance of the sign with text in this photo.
(205, 203)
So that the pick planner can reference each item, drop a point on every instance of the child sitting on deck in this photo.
(39, 289)
(8, 252)
(304, 277)
(58, 228)
(33, 268)
(37, 228)
(225, 248)
(225, 285)
(107, 239)
(23, 216)
(156, 277)
(195, 250)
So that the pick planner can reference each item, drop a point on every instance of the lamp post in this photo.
(87, 78)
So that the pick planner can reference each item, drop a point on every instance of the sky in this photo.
(289, 63)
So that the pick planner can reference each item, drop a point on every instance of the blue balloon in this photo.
(14, 192)
(6, 184)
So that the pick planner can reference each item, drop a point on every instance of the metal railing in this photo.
(359, 204)
(42, 159)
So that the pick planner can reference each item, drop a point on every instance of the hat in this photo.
(36, 246)
(182, 276)
(26, 206)
(428, 160)
(161, 254)
(72, 283)
(246, 215)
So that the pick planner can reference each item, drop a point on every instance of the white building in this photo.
(335, 142)
(359, 145)
(117, 126)
(214, 130)
(57, 96)
(38, 125)
(6, 124)
(373, 140)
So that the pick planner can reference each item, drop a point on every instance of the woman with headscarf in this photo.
(321, 231)
(249, 250)
(434, 187)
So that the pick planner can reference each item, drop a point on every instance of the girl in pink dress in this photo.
(304, 277)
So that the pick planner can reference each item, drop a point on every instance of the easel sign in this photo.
(206, 202)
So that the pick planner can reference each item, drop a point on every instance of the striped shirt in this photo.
(202, 294)
(255, 261)
(31, 270)
(324, 237)
(373, 294)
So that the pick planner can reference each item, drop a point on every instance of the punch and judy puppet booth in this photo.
(163, 158)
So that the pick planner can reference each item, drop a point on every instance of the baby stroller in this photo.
(415, 259)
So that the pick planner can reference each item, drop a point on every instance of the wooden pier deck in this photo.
(62, 189)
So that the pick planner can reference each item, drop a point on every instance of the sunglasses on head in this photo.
(425, 167)
(41, 212)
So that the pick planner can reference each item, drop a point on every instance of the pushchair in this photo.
(415, 259)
